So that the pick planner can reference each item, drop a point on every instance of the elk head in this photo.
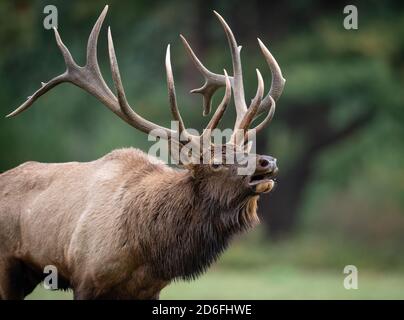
(214, 165)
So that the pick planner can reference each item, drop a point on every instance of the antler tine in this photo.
(223, 105)
(277, 85)
(238, 88)
(264, 122)
(31, 99)
(242, 130)
(255, 103)
(171, 92)
(183, 133)
(132, 117)
(278, 81)
(213, 81)
(92, 60)
(67, 56)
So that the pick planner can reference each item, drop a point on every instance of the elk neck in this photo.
(180, 225)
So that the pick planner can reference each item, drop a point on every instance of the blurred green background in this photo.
(337, 133)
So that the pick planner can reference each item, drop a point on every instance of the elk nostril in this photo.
(264, 163)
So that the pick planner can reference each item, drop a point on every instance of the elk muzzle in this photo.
(265, 171)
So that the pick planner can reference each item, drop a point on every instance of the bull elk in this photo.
(124, 226)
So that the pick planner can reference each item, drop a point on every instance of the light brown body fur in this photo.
(93, 220)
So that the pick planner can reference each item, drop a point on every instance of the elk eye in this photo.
(216, 166)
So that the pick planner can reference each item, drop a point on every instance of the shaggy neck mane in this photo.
(188, 230)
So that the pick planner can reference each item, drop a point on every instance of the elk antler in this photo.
(89, 78)
(214, 81)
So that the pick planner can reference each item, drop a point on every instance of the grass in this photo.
(302, 268)
(285, 283)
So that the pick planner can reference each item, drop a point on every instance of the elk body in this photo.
(125, 225)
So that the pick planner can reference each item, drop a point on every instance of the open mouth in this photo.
(261, 178)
